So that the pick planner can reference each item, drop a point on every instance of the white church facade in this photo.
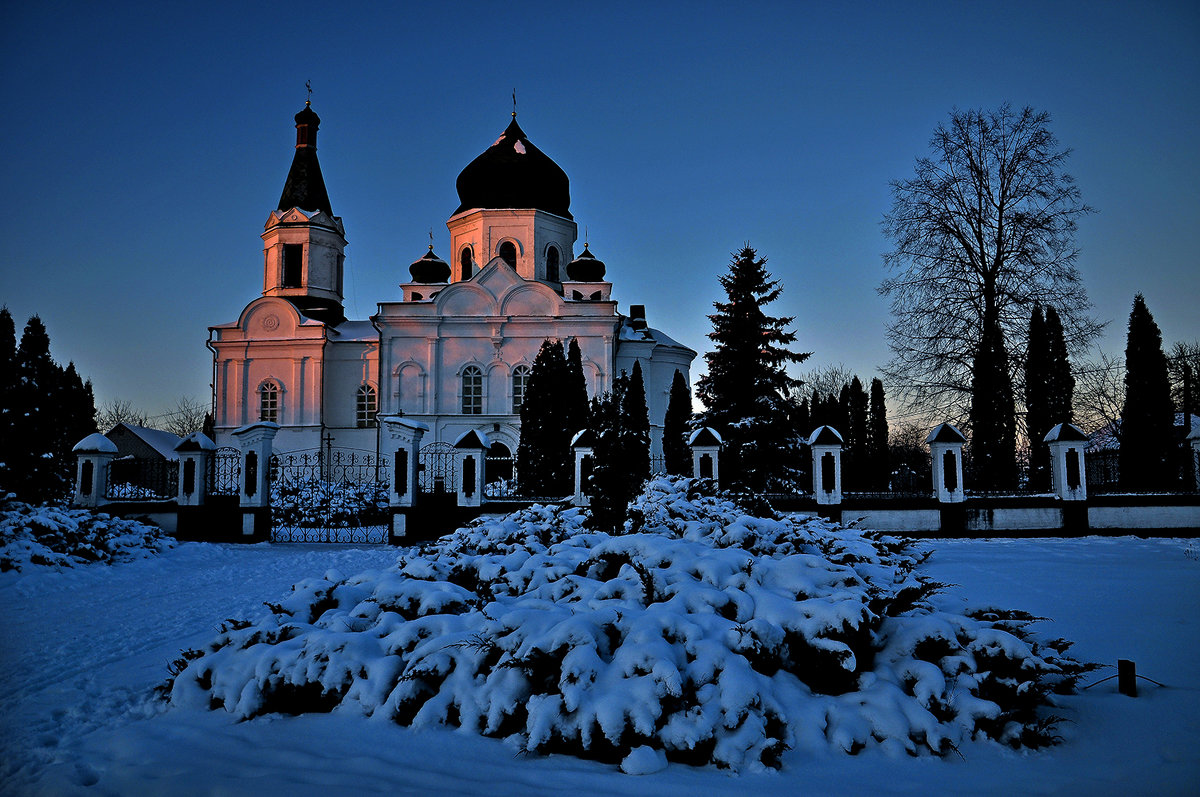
(454, 348)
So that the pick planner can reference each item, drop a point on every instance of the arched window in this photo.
(268, 402)
(472, 391)
(520, 379)
(464, 261)
(508, 252)
(552, 264)
(366, 405)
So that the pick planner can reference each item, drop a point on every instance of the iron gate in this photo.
(337, 495)
(437, 472)
(225, 477)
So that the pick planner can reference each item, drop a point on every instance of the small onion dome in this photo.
(586, 268)
(429, 268)
(513, 173)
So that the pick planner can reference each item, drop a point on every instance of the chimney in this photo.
(637, 316)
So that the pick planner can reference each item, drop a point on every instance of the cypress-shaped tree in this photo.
(8, 384)
(856, 431)
(1061, 392)
(33, 469)
(574, 391)
(1148, 418)
(676, 453)
(877, 438)
(606, 485)
(635, 432)
(746, 387)
(1038, 419)
(544, 465)
(993, 415)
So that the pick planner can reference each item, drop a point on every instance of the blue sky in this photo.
(145, 145)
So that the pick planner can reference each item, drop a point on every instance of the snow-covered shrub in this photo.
(702, 632)
(60, 537)
(314, 503)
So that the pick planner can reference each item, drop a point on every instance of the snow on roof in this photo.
(355, 330)
(96, 442)
(160, 440)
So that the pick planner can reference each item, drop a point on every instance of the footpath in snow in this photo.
(82, 650)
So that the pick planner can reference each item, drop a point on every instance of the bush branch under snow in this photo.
(701, 632)
(59, 537)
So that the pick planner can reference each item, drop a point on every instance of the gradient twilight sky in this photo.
(144, 146)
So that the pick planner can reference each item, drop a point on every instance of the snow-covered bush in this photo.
(60, 537)
(703, 632)
(315, 503)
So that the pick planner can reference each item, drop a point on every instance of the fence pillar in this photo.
(469, 451)
(93, 454)
(706, 454)
(945, 446)
(826, 445)
(583, 444)
(256, 443)
(1069, 474)
(195, 453)
(401, 440)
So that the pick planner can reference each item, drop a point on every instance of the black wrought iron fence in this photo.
(136, 479)
(321, 496)
(225, 471)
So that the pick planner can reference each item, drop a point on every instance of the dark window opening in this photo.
(402, 472)
(552, 265)
(828, 473)
(416, 297)
(464, 261)
(950, 471)
(251, 474)
(293, 265)
(85, 478)
(1072, 469)
(189, 476)
(508, 253)
(706, 466)
(468, 477)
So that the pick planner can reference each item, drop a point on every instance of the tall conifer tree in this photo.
(544, 466)
(1061, 393)
(877, 437)
(745, 390)
(993, 415)
(677, 455)
(1148, 419)
(1038, 420)
(635, 431)
(8, 384)
(575, 395)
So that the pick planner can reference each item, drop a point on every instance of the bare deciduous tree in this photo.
(1099, 392)
(185, 417)
(985, 230)
(827, 380)
(120, 411)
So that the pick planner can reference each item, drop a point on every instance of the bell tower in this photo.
(303, 242)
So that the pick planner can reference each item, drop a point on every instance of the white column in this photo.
(826, 445)
(1067, 468)
(93, 454)
(945, 447)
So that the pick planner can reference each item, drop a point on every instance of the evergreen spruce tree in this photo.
(544, 465)
(855, 434)
(635, 432)
(8, 383)
(606, 485)
(745, 389)
(1038, 419)
(993, 415)
(1061, 392)
(1148, 418)
(877, 438)
(676, 453)
(575, 395)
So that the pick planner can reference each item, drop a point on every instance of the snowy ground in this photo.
(81, 650)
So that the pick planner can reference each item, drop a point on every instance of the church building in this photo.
(454, 347)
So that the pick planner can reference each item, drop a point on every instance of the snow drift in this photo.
(702, 632)
(59, 537)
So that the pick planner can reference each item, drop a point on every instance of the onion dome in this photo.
(429, 268)
(513, 173)
(305, 187)
(586, 268)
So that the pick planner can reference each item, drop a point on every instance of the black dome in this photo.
(586, 268)
(513, 173)
(429, 268)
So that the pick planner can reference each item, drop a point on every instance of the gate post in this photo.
(256, 443)
(584, 446)
(826, 445)
(195, 452)
(1067, 442)
(92, 457)
(1194, 438)
(945, 446)
(403, 444)
(469, 450)
(706, 449)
